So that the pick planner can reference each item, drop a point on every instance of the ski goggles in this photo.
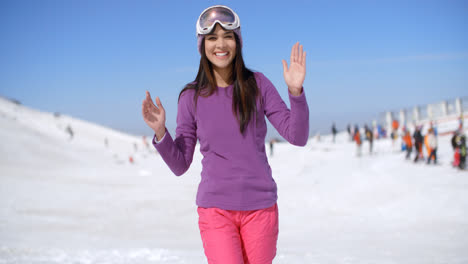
(222, 15)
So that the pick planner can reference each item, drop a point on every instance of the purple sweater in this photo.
(235, 171)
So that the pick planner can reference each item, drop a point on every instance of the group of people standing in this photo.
(368, 135)
(429, 141)
(414, 142)
(355, 135)
(459, 148)
(417, 141)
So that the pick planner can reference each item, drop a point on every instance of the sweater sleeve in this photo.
(178, 153)
(292, 125)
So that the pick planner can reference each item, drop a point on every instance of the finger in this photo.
(146, 107)
(293, 54)
(296, 46)
(285, 66)
(301, 54)
(148, 98)
(144, 110)
(158, 102)
(147, 104)
(148, 95)
(149, 107)
(144, 104)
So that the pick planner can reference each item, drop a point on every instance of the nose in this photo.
(220, 43)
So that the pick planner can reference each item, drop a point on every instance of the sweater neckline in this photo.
(229, 86)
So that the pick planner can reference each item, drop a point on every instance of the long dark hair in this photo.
(245, 90)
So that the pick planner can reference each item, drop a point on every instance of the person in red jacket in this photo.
(357, 139)
(394, 133)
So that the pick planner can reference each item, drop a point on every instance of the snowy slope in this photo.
(78, 201)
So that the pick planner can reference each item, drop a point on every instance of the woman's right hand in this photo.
(154, 116)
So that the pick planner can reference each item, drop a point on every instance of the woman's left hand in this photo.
(295, 75)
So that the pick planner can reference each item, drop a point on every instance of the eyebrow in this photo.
(225, 33)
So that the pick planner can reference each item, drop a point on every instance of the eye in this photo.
(229, 36)
(211, 38)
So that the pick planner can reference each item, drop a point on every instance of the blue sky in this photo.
(95, 59)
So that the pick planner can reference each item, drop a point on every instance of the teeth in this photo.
(221, 54)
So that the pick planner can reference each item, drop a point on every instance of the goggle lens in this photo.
(210, 16)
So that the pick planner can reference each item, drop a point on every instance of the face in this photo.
(220, 47)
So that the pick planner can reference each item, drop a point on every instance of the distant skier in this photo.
(375, 131)
(459, 145)
(456, 150)
(462, 146)
(431, 140)
(272, 143)
(357, 139)
(334, 131)
(69, 130)
(394, 133)
(379, 131)
(395, 126)
(369, 137)
(418, 141)
(408, 143)
(145, 142)
(348, 128)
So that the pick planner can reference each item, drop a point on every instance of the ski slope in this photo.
(76, 200)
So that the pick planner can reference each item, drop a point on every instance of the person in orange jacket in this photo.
(427, 145)
(394, 134)
(395, 126)
(431, 144)
(408, 143)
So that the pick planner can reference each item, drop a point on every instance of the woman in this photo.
(225, 108)
(431, 145)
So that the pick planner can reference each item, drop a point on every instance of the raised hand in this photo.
(154, 116)
(294, 75)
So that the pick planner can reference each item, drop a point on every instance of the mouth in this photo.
(221, 54)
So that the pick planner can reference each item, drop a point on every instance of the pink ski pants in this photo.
(239, 237)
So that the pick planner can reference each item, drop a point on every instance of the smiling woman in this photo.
(220, 49)
(225, 108)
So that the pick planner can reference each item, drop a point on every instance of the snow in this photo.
(75, 200)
